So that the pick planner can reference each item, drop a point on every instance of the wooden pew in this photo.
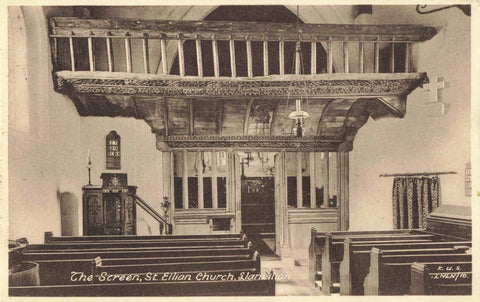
(63, 268)
(177, 288)
(206, 270)
(233, 262)
(389, 272)
(356, 262)
(134, 244)
(318, 243)
(135, 253)
(441, 278)
(49, 238)
(333, 251)
(64, 262)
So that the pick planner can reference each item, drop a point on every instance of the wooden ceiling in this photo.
(238, 121)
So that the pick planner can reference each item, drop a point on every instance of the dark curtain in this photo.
(413, 199)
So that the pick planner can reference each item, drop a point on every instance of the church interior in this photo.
(300, 142)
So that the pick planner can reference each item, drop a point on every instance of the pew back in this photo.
(334, 251)
(129, 261)
(63, 268)
(134, 244)
(318, 243)
(49, 238)
(389, 273)
(177, 288)
(356, 262)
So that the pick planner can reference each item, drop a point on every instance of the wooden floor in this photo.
(296, 266)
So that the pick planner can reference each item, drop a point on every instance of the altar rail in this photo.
(74, 39)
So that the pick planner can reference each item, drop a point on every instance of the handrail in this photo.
(227, 30)
(144, 205)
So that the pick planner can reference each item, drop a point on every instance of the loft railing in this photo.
(76, 39)
(165, 227)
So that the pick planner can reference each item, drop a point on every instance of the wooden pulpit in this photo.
(109, 209)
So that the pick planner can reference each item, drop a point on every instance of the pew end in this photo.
(442, 278)
(47, 237)
(372, 282)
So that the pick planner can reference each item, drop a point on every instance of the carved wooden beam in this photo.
(319, 85)
(288, 143)
(258, 31)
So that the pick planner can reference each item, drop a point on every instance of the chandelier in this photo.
(298, 116)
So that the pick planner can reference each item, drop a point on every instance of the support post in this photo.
(214, 181)
(185, 180)
(313, 66)
(376, 61)
(299, 180)
(249, 58)
(146, 58)
(281, 57)
(342, 189)
(163, 52)
(181, 60)
(198, 46)
(216, 66)
(128, 53)
(233, 66)
(313, 193)
(265, 58)
(108, 41)
(72, 52)
(408, 52)
(91, 58)
(346, 67)
(200, 180)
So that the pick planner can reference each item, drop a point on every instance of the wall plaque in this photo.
(113, 151)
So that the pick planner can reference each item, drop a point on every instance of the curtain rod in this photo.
(417, 174)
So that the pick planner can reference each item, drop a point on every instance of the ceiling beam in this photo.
(247, 117)
(220, 112)
(191, 126)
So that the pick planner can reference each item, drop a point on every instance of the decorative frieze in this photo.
(249, 142)
(320, 85)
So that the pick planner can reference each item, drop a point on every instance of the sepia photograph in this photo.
(228, 149)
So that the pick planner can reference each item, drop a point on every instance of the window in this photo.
(200, 180)
(311, 179)
(113, 150)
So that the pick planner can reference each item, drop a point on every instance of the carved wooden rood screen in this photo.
(124, 67)
(217, 89)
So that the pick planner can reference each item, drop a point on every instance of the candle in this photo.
(89, 158)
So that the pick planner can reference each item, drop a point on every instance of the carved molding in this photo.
(223, 30)
(320, 85)
(248, 142)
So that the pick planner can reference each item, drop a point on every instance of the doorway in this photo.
(258, 206)
(258, 200)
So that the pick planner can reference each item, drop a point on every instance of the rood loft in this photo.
(218, 96)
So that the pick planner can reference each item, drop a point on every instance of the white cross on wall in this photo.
(435, 86)
(435, 107)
